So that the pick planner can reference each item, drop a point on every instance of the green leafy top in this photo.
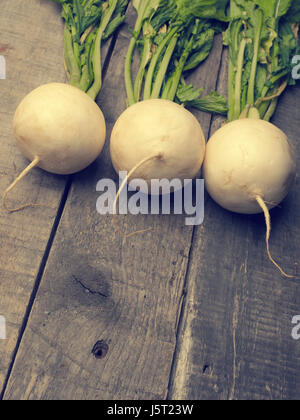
(88, 23)
(293, 14)
(274, 8)
(173, 37)
(202, 9)
(262, 43)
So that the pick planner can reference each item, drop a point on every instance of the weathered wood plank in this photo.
(31, 40)
(235, 336)
(98, 287)
(31, 37)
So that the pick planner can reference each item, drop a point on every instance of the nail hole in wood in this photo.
(100, 349)
(206, 368)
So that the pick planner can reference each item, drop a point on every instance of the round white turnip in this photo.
(245, 159)
(249, 168)
(157, 139)
(59, 128)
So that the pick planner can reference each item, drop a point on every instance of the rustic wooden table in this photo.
(182, 312)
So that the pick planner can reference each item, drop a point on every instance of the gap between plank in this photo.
(179, 331)
(38, 279)
(180, 322)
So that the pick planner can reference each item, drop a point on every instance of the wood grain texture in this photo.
(31, 40)
(235, 337)
(32, 59)
(98, 287)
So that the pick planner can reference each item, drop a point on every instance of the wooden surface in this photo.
(235, 335)
(32, 59)
(176, 313)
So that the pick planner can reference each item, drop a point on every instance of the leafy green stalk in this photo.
(252, 80)
(87, 75)
(190, 97)
(88, 24)
(230, 90)
(128, 76)
(231, 37)
(262, 43)
(163, 68)
(271, 110)
(175, 78)
(149, 79)
(146, 55)
(71, 64)
(144, 8)
(173, 38)
(238, 79)
(96, 60)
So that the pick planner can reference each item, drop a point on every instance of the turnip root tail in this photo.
(129, 175)
(265, 209)
(34, 163)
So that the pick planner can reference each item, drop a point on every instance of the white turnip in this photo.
(246, 159)
(250, 165)
(157, 139)
(59, 128)
(249, 168)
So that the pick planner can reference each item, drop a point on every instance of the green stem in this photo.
(252, 80)
(244, 98)
(97, 65)
(90, 58)
(163, 68)
(238, 80)
(155, 58)
(131, 98)
(253, 113)
(142, 69)
(230, 91)
(275, 53)
(245, 112)
(70, 60)
(263, 107)
(85, 80)
(75, 46)
(78, 14)
(172, 90)
(87, 76)
(231, 68)
(271, 110)
(167, 88)
(274, 95)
